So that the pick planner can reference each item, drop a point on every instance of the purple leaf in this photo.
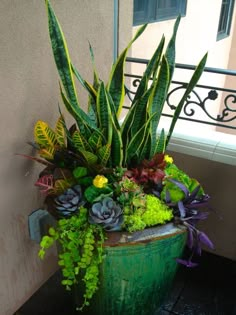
(190, 238)
(201, 216)
(168, 199)
(198, 249)
(204, 239)
(187, 263)
(181, 209)
(193, 194)
(180, 186)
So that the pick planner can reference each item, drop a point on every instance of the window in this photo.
(148, 11)
(226, 13)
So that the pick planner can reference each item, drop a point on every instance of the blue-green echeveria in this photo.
(107, 213)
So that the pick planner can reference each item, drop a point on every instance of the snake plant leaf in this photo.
(104, 113)
(61, 56)
(104, 154)
(84, 123)
(96, 82)
(157, 100)
(138, 140)
(140, 115)
(116, 82)
(44, 135)
(170, 50)
(151, 69)
(192, 83)
(90, 89)
(60, 131)
(47, 153)
(135, 118)
(113, 111)
(117, 154)
(145, 149)
(80, 143)
(95, 140)
(161, 143)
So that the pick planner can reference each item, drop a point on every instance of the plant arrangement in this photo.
(102, 175)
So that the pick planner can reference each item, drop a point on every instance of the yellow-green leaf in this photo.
(60, 131)
(47, 153)
(80, 142)
(44, 135)
(104, 154)
(89, 157)
(61, 185)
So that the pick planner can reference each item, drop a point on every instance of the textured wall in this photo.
(29, 91)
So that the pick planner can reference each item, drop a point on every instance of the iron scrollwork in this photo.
(195, 100)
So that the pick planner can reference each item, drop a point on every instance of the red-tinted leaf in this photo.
(46, 184)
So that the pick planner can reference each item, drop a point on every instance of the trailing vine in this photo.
(80, 251)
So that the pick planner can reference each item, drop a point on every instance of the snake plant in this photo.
(99, 137)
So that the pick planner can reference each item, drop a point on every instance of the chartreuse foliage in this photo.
(71, 234)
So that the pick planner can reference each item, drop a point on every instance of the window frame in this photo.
(226, 12)
(152, 13)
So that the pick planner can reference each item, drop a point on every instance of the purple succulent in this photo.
(107, 213)
(69, 202)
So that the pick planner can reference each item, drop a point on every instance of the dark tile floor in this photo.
(209, 289)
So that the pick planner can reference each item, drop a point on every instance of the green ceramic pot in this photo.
(137, 271)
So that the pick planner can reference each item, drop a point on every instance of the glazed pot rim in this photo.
(145, 236)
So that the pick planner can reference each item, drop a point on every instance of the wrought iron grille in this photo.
(200, 102)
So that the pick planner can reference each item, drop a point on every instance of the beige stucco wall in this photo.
(230, 81)
(29, 91)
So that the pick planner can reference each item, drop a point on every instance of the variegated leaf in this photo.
(116, 82)
(47, 153)
(44, 135)
(60, 131)
(62, 185)
(104, 113)
(95, 140)
(45, 184)
(80, 142)
(61, 56)
(104, 154)
(89, 157)
(161, 143)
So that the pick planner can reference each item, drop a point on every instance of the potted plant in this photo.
(118, 198)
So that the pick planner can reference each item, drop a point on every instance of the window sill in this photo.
(219, 147)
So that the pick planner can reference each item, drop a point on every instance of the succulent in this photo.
(69, 202)
(107, 213)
